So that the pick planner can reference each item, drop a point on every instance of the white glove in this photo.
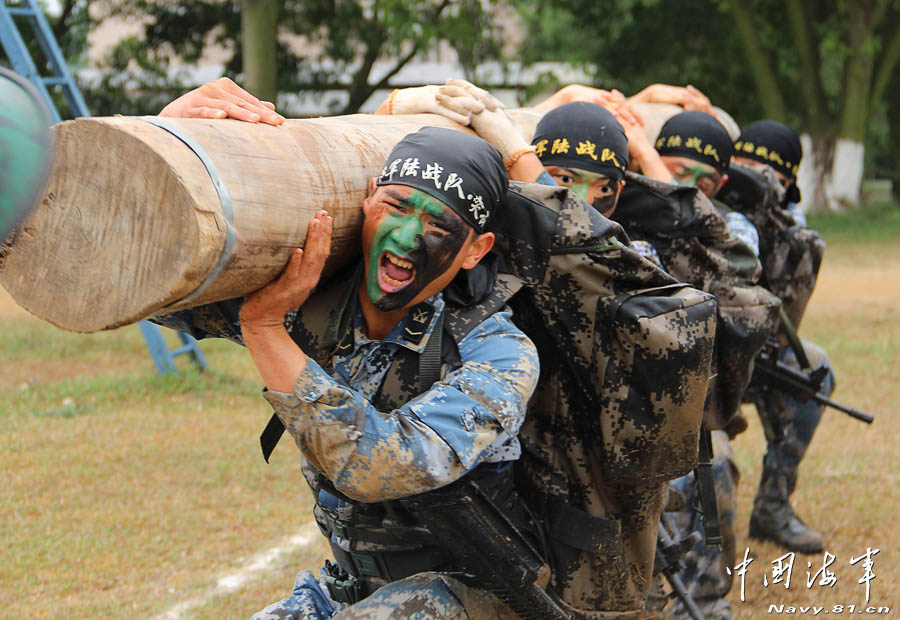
(423, 100)
(486, 117)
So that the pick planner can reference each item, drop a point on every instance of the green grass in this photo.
(873, 224)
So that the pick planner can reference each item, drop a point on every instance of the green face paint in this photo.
(416, 240)
(699, 177)
(589, 187)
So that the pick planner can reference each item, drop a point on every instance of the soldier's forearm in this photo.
(276, 356)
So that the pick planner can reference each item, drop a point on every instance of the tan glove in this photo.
(423, 100)
(486, 117)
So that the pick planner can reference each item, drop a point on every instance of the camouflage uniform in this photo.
(374, 439)
(424, 595)
(617, 410)
(791, 255)
(789, 426)
(704, 574)
(715, 249)
(600, 439)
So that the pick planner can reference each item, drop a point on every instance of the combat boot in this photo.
(786, 529)
(773, 518)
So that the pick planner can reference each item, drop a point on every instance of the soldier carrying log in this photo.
(380, 432)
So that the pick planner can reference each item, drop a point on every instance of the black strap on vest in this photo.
(271, 435)
(430, 358)
(704, 477)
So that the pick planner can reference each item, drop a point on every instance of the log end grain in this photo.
(81, 268)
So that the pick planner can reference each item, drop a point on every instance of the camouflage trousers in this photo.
(789, 426)
(704, 574)
(425, 596)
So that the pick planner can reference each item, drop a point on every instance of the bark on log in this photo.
(131, 224)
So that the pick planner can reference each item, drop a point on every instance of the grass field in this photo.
(128, 495)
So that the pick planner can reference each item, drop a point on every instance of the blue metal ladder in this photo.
(23, 64)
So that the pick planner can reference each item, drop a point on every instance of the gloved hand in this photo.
(423, 100)
(486, 117)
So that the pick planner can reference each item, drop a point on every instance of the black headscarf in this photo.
(463, 171)
(583, 136)
(697, 136)
(775, 144)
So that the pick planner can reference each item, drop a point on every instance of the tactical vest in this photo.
(791, 254)
(694, 244)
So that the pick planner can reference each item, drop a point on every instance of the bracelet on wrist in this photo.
(391, 100)
(509, 163)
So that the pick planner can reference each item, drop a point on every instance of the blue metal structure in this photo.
(23, 64)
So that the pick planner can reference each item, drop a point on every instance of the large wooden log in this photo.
(133, 223)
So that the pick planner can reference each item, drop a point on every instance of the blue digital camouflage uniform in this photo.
(469, 417)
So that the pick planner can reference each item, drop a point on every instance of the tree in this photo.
(286, 46)
(820, 66)
(846, 53)
(259, 35)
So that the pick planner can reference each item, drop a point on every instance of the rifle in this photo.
(492, 550)
(769, 373)
(668, 562)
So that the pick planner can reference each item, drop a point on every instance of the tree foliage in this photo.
(822, 66)
(322, 45)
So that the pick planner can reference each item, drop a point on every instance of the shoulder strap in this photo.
(430, 358)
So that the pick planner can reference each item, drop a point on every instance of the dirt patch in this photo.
(848, 286)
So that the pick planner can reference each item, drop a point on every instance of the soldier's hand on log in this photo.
(461, 88)
(423, 100)
(612, 100)
(223, 99)
(687, 97)
(641, 152)
(267, 306)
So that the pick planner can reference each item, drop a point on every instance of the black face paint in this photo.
(605, 204)
(414, 244)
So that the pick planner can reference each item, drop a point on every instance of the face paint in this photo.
(595, 189)
(415, 241)
(605, 204)
(699, 177)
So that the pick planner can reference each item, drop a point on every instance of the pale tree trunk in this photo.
(814, 171)
(846, 176)
(259, 36)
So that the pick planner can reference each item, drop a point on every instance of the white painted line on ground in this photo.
(230, 583)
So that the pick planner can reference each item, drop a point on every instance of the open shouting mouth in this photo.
(394, 273)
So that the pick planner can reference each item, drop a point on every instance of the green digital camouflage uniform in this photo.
(695, 246)
(617, 410)
(692, 238)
